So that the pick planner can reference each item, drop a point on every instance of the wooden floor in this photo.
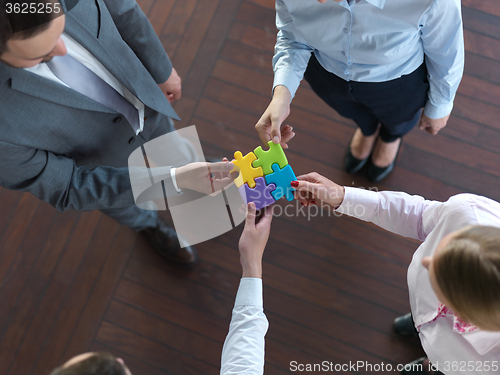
(73, 282)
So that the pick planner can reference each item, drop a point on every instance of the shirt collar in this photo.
(378, 3)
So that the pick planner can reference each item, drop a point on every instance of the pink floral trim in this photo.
(459, 325)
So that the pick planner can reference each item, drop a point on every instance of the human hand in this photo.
(313, 187)
(430, 125)
(172, 87)
(253, 241)
(205, 178)
(269, 124)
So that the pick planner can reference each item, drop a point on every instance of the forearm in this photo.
(137, 32)
(396, 212)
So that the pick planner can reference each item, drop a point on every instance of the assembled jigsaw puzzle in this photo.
(265, 176)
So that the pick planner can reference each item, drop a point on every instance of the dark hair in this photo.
(18, 25)
(98, 364)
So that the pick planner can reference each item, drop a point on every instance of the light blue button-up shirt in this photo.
(373, 41)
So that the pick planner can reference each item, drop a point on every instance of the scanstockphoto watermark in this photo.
(319, 209)
(296, 209)
(327, 366)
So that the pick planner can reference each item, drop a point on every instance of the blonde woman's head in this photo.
(465, 274)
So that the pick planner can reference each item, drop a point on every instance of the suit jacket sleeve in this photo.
(57, 180)
(137, 32)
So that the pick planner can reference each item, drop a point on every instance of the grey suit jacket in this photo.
(67, 149)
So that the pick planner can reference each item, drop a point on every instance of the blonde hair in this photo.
(468, 272)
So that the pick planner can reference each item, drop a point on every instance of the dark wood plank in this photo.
(488, 6)
(158, 355)
(477, 111)
(203, 347)
(193, 38)
(78, 293)
(482, 44)
(480, 22)
(8, 203)
(176, 25)
(146, 5)
(46, 309)
(482, 67)
(159, 13)
(264, 3)
(105, 286)
(479, 89)
(248, 57)
(258, 16)
(214, 38)
(16, 230)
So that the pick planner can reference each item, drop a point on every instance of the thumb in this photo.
(275, 132)
(250, 220)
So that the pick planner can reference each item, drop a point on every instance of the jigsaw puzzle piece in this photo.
(260, 195)
(247, 172)
(281, 177)
(266, 159)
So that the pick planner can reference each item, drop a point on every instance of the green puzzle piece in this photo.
(265, 159)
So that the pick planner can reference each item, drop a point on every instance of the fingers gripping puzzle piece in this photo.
(260, 195)
(282, 177)
(247, 172)
(266, 159)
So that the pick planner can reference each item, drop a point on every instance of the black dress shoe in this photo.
(417, 368)
(376, 174)
(352, 164)
(165, 241)
(404, 326)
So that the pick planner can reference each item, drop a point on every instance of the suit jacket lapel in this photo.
(82, 35)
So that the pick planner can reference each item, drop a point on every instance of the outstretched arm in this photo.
(394, 211)
(243, 351)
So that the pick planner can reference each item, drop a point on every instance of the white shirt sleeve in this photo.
(396, 212)
(243, 351)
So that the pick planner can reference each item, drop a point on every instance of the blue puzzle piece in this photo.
(260, 195)
(281, 178)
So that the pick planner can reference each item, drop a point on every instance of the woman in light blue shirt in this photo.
(377, 62)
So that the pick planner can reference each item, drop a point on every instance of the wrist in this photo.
(252, 269)
(282, 94)
(179, 178)
(337, 197)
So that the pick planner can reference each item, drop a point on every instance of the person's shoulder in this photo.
(467, 202)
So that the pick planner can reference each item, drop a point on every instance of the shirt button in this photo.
(116, 120)
(343, 53)
(345, 30)
(131, 140)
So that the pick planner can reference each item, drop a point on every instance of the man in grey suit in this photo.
(78, 93)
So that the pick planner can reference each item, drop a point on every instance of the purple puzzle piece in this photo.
(260, 195)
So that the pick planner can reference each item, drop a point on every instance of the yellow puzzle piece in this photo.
(247, 172)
